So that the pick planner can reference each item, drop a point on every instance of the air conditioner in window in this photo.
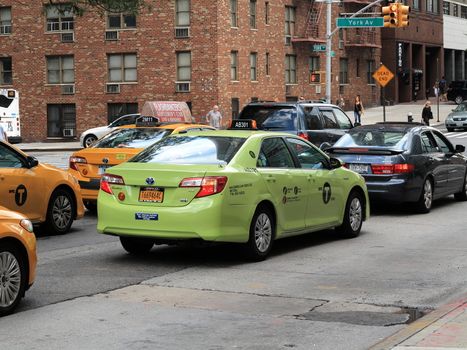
(68, 132)
(68, 89)
(182, 32)
(67, 37)
(111, 35)
(182, 87)
(318, 88)
(113, 88)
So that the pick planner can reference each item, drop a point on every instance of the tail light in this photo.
(77, 160)
(385, 169)
(108, 179)
(209, 185)
(304, 136)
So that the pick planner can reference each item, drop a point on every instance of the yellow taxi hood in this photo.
(8, 214)
(113, 155)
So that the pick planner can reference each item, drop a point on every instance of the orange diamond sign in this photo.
(383, 75)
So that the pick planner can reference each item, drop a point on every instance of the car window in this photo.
(124, 121)
(312, 118)
(132, 138)
(274, 154)
(272, 117)
(428, 143)
(375, 138)
(308, 156)
(329, 119)
(342, 119)
(442, 143)
(9, 159)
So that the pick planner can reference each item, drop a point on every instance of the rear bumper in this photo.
(394, 190)
(89, 189)
(456, 124)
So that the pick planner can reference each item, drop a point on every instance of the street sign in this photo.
(359, 22)
(383, 75)
(318, 47)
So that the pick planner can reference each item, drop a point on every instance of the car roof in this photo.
(389, 126)
(237, 133)
(291, 104)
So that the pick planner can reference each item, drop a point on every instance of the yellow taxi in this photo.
(87, 165)
(17, 259)
(43, 193)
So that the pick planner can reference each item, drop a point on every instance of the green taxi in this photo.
(249, 187)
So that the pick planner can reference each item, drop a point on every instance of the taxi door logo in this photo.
(326, 193)
(21, 194)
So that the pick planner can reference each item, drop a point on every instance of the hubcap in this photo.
(10, 279)
(427, 194)
(89, 141)
(61, 212)
(355, 214)
(263, 232)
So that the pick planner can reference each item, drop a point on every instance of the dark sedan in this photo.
(405, 162)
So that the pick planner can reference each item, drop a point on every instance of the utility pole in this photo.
(437, 90)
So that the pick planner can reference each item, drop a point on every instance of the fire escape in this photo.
(310, 32)
(361, 37)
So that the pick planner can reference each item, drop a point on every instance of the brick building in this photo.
(75, 72)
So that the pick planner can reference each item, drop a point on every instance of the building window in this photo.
(116, 110)
(431, 6)
(357, 68)
(416, 4)
(182, 13)
(59, 18)
(463, 11)
(290, 69)
(6, 71)
(60, 70)
(233, 13)
(314, 64)
(253, 61)
(122, 67)
(266, 12)
(343, 71)
(289, 24)
(5, 20)
(253, 14)
(455, 10)
(121, 21)
(235, 104)
(184, 66)
(266, 58)
(370, 64)
(61, 120)
(446, 7)
(234, 65)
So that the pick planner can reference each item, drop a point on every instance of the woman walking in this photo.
(358, 110)
(427, 114)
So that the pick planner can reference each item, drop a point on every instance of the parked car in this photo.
(457, 119)
(457, 91)
(314, 121)
(404, 162)
(91, 135)
(18, 259)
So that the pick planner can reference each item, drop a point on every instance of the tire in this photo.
(353, 216)
(425, 202)
(262, 233)
(458, 100)
(88, 140)
(60, 212)
(12, 278)
(91, 206)
(462, 195)
(450, 129)
(136, 245)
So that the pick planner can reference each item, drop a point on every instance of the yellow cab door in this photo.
(21, 189)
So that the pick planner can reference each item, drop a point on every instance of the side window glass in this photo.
(9, 159)
(274, 154)
(312, 119)
(442, 143)
(428, 143)
(342, 119)
(329, 119)
(308, 156)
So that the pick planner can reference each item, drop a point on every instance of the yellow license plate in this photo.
(151, 194)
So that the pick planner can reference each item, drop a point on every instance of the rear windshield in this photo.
(191, 150)
(374, 138)
(272, 117)
(132, 138)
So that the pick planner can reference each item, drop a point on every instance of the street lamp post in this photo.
(437, 90)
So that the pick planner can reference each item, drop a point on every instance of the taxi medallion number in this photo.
(151, 194)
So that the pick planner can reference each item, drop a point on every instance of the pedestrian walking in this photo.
(427, 114)
(358, 109)
(214, 117)
(3, 136)
(443, 89)
(340, 102)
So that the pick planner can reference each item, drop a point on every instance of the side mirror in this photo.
(32, 162)
(460, 148)
(335, 163)
(324, 146)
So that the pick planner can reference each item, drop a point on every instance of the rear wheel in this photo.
(61, 212)
(262, 230)
(12, 278)
(136, 245)
(425, 201)
(462, 195)
(458, 100)
(353, 216)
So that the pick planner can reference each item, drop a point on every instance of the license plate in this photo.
(360, 168)
(151, 194)
(146, 216)
(102, 169)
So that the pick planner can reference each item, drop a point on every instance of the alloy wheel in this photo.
(263, 232)
(427, 194)
(10, 279)
(355, 214)
(62, 211)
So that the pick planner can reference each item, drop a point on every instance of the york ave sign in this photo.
(360, 22)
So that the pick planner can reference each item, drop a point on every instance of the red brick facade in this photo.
(212, 38)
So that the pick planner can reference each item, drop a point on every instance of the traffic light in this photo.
(315, 78)
(391, 15)
(403, 19)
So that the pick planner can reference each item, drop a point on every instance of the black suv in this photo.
(457, 91)
(314, 121)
